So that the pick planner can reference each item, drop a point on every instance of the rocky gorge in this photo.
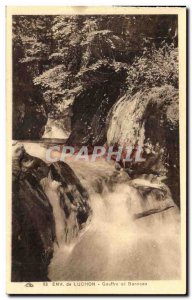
(84, 81)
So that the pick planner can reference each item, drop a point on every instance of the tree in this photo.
(65, 58)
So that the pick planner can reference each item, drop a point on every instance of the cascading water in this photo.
(55, 130)
(133, 233)
(50, 188)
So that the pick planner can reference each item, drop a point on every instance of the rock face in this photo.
(91, 106)
(29, 118)
(33, 226)
(33, 220)
(150, 119)
(72, 190)
(29, 115)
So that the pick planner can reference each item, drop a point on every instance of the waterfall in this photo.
(60, 127)
(66, 225)
(133, 232)
(55, 129)
(51, 189)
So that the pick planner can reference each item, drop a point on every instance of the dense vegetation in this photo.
(91, 60)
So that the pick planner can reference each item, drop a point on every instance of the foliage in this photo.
(156, 67)
(63, 56)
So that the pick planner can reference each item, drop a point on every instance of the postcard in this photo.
(96, 150)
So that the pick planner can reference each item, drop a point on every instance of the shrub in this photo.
(156, 67)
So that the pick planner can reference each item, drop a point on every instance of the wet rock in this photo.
(149, 118)
(71, 189)
(33, 227)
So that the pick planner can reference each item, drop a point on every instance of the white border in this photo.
(2, 89)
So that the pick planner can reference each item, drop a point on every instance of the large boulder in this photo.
(150, 118)
(33, 226)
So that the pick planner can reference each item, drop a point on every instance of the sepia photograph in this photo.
(96, 121)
